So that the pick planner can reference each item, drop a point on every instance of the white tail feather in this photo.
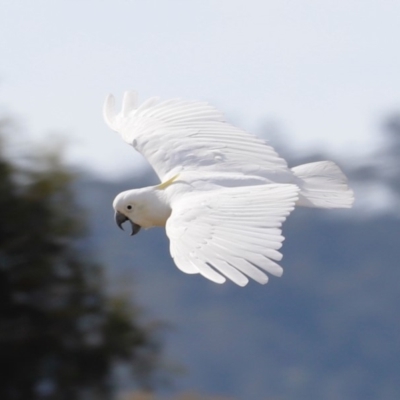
(323, 185)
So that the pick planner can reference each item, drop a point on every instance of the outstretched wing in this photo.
(231, 232)
(177, 135)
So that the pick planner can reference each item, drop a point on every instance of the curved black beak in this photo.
(121, 218)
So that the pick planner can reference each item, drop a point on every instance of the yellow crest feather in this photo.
(164, 185)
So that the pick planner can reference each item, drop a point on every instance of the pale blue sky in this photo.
(325, 71)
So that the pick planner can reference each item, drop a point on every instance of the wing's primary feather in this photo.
(177, 135)
(232, 233)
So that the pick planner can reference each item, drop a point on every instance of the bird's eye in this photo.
(129, 207)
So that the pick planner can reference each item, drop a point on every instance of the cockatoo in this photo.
(224, 193)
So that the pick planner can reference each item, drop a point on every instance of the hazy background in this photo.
(324, 71)
(322, 80)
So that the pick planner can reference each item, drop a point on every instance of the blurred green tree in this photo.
(60, 334)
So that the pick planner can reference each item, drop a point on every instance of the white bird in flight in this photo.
(224, 193)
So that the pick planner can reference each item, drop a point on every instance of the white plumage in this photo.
(224, 193)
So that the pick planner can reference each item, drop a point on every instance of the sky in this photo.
(326, 73)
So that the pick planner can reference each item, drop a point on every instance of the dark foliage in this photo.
(60, 335)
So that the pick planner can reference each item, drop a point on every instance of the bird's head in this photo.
(143, 208)
(127, 206)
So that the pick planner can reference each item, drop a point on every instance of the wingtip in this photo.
(130, 102)
(109, 114)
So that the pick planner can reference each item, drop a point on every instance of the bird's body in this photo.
(223, 194)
